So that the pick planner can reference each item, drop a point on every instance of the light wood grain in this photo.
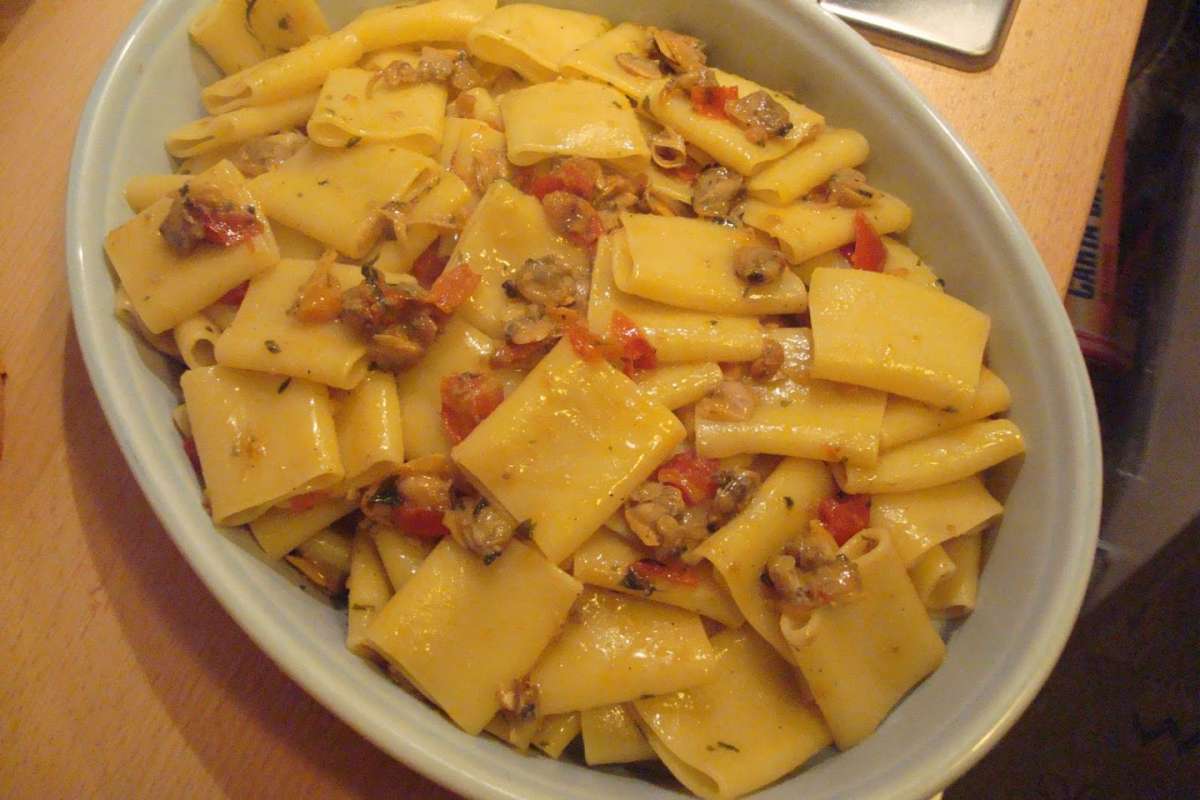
(123, 677)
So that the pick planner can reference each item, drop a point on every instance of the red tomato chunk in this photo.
(694, 476)
(845, 515)
(710, 100)
(467, 399)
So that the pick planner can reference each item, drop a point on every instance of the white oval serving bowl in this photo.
(1036, 572)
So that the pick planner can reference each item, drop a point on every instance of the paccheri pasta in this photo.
(587, 372)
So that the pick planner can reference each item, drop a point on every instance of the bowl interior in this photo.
(1037, 567)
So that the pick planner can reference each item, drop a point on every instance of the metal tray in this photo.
(964, 35)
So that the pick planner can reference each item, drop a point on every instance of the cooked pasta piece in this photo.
(401, 554)
(282, 529)
(141, 191)
(906, 420)
(124, 311)
(933, 569)
(267, 335)
(678, 335)
(955, 596)
(195, 339)
(741, 730)
(861, 656)
(531, 39)
(898, 260)
(922, 519)
(166, 286)
(351, 108)
(443, 208)
(507, 229)
(567, 447)
(809, 165)
(740, 550)
(572, 118)
(679, 385)
(437, 21)
(556, 732)
(259, 446)
(807, 229)
(233, 127)
(284, 76)
(879, 331)
(237, 34)
(938, 460)
(370, 431)
(459, 348)
(601, 59)
(720, 137)
(795, 415)
(611, 736)
(335, 196)
(461, 630)
(370, 591)
(614, 649)
(691, 263)
(612, 562)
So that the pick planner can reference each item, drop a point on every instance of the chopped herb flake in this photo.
(727, 746)
(283, 386)
(353, 141)
(272, 346)
(387, 494)
(789, 502)
(635, 582)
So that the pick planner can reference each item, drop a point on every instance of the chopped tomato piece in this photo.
(193, 455)
(694, 476)
(583, 341)
(845, 515)
(304, 502)
(710, 100)
(226, 226)
(648, 569)
(236, 295)
(869, 252)
(425, 523)
(429, 266)
(576, 180)
(635, 349)
(542, 185)
(688, 173)
(467, 399)
(452, 288)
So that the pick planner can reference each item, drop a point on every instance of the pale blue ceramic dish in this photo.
(1037, 569)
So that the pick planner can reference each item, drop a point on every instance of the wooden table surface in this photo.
(124, 677)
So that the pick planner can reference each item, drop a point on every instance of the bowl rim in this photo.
(319, 679)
